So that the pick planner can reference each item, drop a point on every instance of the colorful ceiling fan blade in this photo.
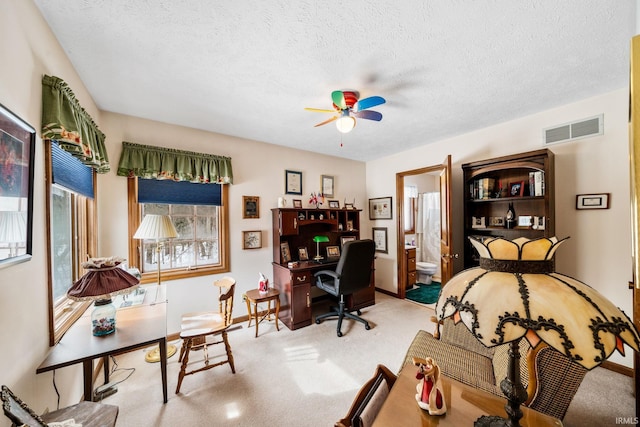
(372, 101)
(368, 114)
(338, 99)
(320, 110)
(327, 121)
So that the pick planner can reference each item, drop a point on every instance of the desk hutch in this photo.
(296, 228)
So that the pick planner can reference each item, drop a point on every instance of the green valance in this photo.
(147, 161)
(67, 123)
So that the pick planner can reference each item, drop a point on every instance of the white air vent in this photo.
(581, 129)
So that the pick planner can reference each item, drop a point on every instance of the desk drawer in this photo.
(301, 277)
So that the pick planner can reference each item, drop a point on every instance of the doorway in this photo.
(435, 179)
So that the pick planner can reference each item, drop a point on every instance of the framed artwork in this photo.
(516, 189)
(496, 221)
(380, 239)
(333, 251)
(303, 254)
(345, 239)
(334, 204)
(478, 222)
(326, 184)
(349, 225)
(17, 150)
(380, 208)
(292, 182)
(250, 207)
(252, 239)
(539, 223)
(297, 203)
(284, 252)
(592, 201)
(525, 221)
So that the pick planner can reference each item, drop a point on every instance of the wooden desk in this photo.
(294, 285)
(464, 405)
(137, 326)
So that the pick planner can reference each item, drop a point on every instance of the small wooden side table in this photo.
(256, 297)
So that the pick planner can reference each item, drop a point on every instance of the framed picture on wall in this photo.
(250, 207)
(252, 239)
(17, 150)
(293, 182)
(380, 208)
(380, 238)
(326, 184)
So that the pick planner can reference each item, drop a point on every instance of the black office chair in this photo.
(352, 274)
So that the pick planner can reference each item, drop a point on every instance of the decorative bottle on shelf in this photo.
(511, 216)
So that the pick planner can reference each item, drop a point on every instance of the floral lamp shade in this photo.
(516, 294)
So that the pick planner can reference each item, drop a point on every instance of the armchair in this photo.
(352, 274)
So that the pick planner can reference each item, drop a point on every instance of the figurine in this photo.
(264, 284)
(430, 396)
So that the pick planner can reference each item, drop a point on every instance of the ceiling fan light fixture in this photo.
(345, 124)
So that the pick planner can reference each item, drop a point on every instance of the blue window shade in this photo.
(71, 173)
(178, 192)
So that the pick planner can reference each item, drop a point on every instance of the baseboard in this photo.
(384, 291)
(616, 367)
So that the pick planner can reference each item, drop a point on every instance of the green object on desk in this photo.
(318, 240)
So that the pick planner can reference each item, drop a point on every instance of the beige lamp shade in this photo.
(156, 227)
(515, 293)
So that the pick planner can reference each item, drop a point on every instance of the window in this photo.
(71, 217)
(201, 247)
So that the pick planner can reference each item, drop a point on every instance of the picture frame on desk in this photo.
(303, 254)
(297, 203)
(334, 204)
(285, 253)
(333, 251)
(516, 189)
(345, 239)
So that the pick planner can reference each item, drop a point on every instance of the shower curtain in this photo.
(428, 229)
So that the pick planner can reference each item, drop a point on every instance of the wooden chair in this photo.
(197, 327)
(89, 414)
(369, 399)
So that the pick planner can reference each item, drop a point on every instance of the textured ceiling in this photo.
(248, 68)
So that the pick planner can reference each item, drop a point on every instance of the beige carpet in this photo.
(309, 377)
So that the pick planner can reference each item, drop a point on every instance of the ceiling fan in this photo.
(347, 106)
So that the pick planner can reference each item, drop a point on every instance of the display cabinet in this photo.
(510, 196)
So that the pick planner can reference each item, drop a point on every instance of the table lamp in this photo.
(103, 279)
(158, 228)
(516, 294)
(318, 240)
(13, 230)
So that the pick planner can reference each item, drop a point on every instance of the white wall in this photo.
(258, 170)
(28, 50)
(599, 250)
